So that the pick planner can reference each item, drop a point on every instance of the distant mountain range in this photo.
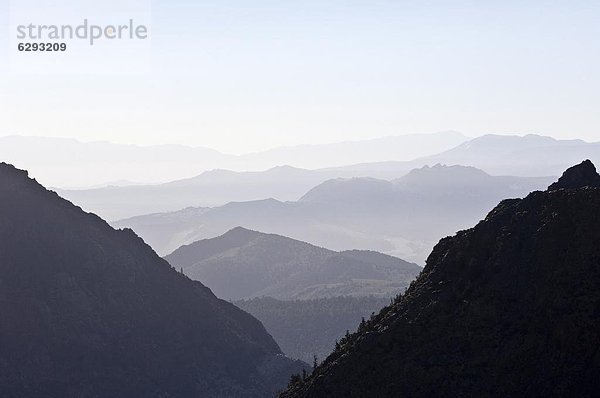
(210, 189)
(69, 163)
(63, 162)
(89, 311)
(245, 264)
(509, 308)
(528, 156)
(404, 217)
(401, 147)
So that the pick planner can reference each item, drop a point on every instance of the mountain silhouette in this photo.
(245, 264)
(510, 307)
(89, 311)
(583, 175)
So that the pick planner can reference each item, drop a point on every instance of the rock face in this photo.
(508, 308)
(88, 311)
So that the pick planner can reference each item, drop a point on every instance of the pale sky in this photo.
(242, 76)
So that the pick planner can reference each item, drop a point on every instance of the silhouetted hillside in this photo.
(87, 311)
(508, 308)
(244, 264)
(304, 328)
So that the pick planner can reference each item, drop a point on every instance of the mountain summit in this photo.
(582, 175)
(510, 307)
(89, 311)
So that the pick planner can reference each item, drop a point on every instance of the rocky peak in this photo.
(10, 174)
(579, 176)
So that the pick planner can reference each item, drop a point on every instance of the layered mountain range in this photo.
(209, 189)
(526, 156)
(70, 163)
(404, 217)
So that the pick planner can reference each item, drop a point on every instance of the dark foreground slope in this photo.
(508, 308)
(87, 311)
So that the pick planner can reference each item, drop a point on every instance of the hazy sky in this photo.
(246, 75)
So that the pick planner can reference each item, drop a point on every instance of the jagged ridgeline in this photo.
(510, 308)
(88, 311)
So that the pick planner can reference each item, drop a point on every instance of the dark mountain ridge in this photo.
(510, 307)
(584, 175)
(89, 311)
